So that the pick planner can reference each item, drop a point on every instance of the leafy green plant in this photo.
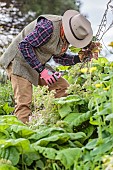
(44, 110)
(73, 132)
(6, 98)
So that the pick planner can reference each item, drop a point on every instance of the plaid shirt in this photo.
(39, 36)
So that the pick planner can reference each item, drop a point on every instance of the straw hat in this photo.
(77, 29)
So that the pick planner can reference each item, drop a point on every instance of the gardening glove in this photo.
(50, 77)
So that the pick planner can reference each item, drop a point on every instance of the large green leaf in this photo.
(7, 167)
(45, 132)
(60, 138)
(3, 135)
(7, 108)
(49, 153)
(68, 156)
(14, 155)
(88, 131)
(22, 131)
(23, 145)
(40, 164)
(70, 99)
(10, 153)
(10, 120)
(101, 149)
(91, 144)
(64, 110)
(71, 117)
(28, 158)
(82, 118)
(3, 131)
(3, 126)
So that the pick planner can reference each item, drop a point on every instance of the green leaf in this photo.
(94, 122)
(10, 153)
(64, 110)
(82, 118)
(63, 68)
(70, 99)
(70, 117)
(10, 120)
(101, 60)
(60, 138)
(74, 49)
(49, 153)
(106, 110)
(91, 144)
(23, 145)
(107, 77)
(7, 108)
(30, 157)
(7, 167)
(3, 135)
(3, 127)
(78, 135)
(109, 117)
(22, 131)
(40, 164)
(14, 155)
(68, 156)
(107, 145)
(88, 131)
(45, 132)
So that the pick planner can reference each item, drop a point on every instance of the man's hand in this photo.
(89, 52)
(49, 76)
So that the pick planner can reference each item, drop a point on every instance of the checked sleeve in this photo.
(39, 36)
(67, 59)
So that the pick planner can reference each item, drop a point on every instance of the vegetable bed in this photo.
(70, 133)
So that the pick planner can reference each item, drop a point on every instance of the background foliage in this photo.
(16, 14)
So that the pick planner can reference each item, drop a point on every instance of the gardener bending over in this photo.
(26, 57)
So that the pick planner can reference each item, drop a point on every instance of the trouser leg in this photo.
(23, 96)
(23, 93)
(59, 86)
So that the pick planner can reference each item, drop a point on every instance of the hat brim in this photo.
(69, 36)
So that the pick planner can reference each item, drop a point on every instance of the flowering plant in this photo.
(90, 51)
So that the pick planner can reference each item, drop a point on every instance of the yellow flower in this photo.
(92, 69)
(98, 85)
(84, 70)
(111, 44)
(95, 51)
(106, 88)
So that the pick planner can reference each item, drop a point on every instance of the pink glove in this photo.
(49, 76)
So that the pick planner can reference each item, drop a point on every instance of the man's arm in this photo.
(40, 35)
(67, 59)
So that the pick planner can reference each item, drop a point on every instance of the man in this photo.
(26, 57)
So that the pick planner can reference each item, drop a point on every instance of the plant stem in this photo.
(99, 128)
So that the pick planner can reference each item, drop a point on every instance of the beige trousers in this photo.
(23, 93)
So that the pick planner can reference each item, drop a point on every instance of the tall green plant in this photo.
(6, 98)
